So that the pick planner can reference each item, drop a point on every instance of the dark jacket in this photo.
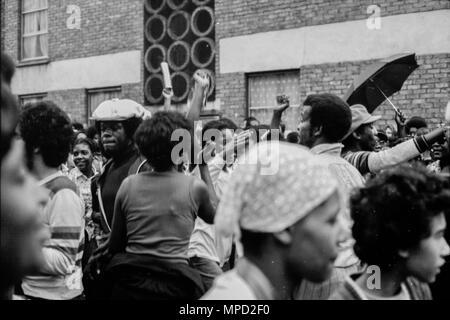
(133, 164)
(143, 277)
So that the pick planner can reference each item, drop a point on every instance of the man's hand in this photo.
(167, 93)
(281, 107)
(400, 119)
(202, 80)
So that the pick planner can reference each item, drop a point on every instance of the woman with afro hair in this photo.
(399, 224)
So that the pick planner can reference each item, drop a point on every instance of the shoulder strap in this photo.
(60, 183)
(140, 165)
(102, 209)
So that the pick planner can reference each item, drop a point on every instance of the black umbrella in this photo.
(381, 80)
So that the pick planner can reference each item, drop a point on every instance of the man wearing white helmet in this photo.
(286, 219)
(116, 120)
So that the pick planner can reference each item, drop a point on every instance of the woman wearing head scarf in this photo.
(283, 204)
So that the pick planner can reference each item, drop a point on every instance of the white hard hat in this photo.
(119, 110)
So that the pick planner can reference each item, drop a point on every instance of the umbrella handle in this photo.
(397, 110)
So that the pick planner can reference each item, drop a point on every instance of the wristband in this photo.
(421, 144)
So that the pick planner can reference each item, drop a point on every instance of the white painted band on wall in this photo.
(422, 33)
(92, 72)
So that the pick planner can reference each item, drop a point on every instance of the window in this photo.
(263, 88)
(34, 29)
(97, 96)
(30, 98)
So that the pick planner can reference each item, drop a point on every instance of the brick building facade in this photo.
(263, 48)
(328, 43)
(100, 55)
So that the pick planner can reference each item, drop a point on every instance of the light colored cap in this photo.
(360, 116)
(256, 200)
(119, 110)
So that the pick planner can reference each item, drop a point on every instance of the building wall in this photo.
(331, 44)
(112, 30)
(107, 48)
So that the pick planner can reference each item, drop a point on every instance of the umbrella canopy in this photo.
(381, 80)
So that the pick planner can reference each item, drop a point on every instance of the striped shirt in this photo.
(60, 277)
(373, 162)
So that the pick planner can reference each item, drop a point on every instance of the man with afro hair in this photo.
(47, 133)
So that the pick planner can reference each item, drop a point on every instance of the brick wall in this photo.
(71, 101)
(10, 27)
(425, 93)
(74, 102)
(2, 24)
(240, 17)
(107, 26)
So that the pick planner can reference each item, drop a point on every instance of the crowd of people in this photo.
(130, 209)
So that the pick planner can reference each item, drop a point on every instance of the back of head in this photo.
(154, 138)
(228, 123)
(331, 113)
(48, 129)
(250, 121)
(415, 122)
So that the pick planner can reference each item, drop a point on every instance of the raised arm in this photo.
(201, 83)
(404, 151)
(206, 208)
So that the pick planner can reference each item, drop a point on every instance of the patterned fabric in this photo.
(322, 291)
(359, 160)
(84, 186)
(435, 166)
(260, 194)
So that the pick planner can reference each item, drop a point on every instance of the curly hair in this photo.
(153, 138)
(394, 211)
(45, 126)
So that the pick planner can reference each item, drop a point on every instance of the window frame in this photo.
(21, 97)
(98, 90)
(23, 35)
(250, 75)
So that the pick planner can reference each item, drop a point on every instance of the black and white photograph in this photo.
(208, 154)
